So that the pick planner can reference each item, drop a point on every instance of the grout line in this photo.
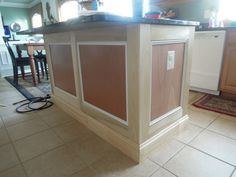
(218, 133)
(59, 146)
(209, 155)
(170, 171)
(233, 172)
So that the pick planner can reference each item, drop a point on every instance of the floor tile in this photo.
(73, 130)
(201, 118)
(194, 96)
(11, 100)
(10, 93)
(15, 118)
(1, 123)
(143, 169)
(192, 163)
(8, 157)
(26, 128)
(90, 150)
(60, 162)
(7, 111)
(16, 171)
(86, 172)
(4, 139)
(164, 151)
(57, 118)
(234, 174)
(116, 164)
(225, 127)
(36, 144)
(186, 132)
(50, 110)
(162, 173)
(216, 145)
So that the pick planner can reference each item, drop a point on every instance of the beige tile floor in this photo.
(50, 143)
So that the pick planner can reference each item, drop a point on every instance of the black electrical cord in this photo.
(29, 106)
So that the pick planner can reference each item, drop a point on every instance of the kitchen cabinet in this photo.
(228, 77)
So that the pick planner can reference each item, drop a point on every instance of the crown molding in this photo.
(19, 5)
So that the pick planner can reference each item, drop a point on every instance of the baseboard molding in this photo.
(131, 149)
(149, 144)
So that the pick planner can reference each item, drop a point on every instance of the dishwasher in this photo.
(207, 61)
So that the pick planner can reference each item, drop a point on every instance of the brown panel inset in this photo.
(103, 76)
(62, 67)
(166, 84)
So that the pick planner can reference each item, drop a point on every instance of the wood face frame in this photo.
(118, 43)
(179, 108)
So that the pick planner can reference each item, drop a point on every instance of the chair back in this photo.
(13, 58)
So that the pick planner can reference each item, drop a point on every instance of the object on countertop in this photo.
(153, 15)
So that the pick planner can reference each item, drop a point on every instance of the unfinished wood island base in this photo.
(127, 81)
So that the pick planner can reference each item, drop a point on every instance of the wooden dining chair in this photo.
(41, 59)
(17, 62)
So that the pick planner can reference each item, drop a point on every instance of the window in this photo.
(118, 7)
(69, 10)
(36, 20)
(227, 10)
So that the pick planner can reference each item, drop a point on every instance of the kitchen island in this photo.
(126, 79)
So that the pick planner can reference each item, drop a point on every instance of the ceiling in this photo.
(18, 3)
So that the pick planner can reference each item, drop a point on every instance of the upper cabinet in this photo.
(228, 78)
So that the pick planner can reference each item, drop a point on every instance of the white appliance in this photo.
(207, 59)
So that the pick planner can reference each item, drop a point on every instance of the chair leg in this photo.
(37, 69)
(46, 69)
(22, 69)
(15, 75)
(42, 69)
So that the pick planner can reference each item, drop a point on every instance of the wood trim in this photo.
(228, 95)
(228, 79)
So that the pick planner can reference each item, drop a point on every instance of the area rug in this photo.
(217, 104)
(26, 88)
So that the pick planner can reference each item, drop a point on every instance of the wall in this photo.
(193, 10)
(19, 15)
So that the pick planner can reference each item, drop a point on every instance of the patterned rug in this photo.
(26, 88)
(217, 104)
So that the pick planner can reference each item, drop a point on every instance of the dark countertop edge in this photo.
(216, 29)
(97, 20)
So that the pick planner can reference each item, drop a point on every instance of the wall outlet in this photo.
(170, 60)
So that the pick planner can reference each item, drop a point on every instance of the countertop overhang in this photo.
(98, 20)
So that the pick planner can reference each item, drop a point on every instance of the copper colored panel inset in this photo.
(103, 76)
(166, 84)
(62, 67)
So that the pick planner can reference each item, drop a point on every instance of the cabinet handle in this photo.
(216, 36)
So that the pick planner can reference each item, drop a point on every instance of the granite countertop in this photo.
(102, 19)
(216, 29)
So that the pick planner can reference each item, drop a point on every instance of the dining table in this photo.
(30, 48)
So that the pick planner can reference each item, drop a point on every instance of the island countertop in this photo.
(103, 19)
